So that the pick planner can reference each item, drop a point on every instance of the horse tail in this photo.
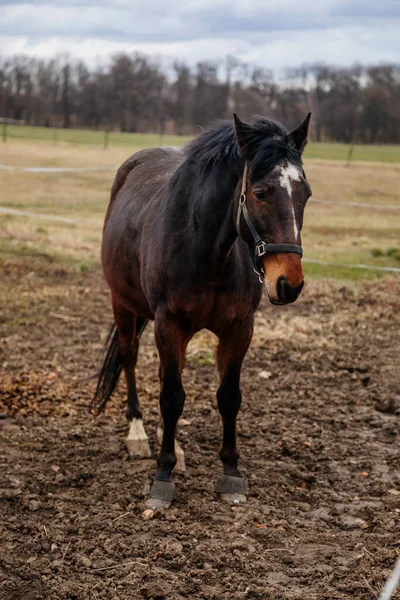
(112, 366)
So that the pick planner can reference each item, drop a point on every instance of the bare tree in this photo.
(134, 93)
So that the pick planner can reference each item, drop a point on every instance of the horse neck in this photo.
(216, 211)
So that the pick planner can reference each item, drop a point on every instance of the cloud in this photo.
(271, 34)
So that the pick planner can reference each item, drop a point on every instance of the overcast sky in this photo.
(271, 33)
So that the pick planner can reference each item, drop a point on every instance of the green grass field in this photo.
(320, 151)
(370, 153)
(87, 136)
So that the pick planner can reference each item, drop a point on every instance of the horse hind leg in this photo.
(137, 442)
(129, 328)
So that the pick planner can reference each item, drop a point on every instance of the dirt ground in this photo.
(319, 438)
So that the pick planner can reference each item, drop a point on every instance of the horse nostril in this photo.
(280, 288)
(287, 293)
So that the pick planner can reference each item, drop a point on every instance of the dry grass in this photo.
(346, 235)
(36, 153)
(349, 234)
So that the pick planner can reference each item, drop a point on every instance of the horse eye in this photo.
(261, 195)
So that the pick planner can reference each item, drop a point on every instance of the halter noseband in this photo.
(260, 247)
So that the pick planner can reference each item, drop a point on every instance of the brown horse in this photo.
(189, 237)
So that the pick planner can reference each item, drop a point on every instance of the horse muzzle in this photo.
(286, 294)
(283, 277)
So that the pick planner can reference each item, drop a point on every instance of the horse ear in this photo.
(242, 134)
(300, 135)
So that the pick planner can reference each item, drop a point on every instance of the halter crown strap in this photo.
(260, 247)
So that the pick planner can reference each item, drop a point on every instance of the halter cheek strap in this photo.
(260, 247)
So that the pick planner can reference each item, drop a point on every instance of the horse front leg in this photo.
(233, 345)
(180, 466)
(171, 342)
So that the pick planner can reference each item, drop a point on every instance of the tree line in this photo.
(136, 93)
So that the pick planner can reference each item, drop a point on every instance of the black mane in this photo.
(268, 143)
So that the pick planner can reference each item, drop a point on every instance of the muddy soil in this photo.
(319, 438)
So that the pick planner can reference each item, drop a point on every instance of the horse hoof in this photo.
(157, 504)
(234, 498)
(231, 488)
(162, 493)
(138, 448)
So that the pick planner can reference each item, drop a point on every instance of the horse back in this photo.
(143, 174)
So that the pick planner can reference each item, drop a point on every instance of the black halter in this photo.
(260, 247)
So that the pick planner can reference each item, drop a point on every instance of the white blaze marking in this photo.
(288, 173)
(296, 229)
(137, 431)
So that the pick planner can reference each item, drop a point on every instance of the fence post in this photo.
(4, 130)
(350, 154)
(106, 137)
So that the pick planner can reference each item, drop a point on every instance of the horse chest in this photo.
(211, 308)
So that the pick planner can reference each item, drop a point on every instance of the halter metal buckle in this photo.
(261, 278)
(261, 249)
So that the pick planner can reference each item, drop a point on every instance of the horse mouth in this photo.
(275, 301)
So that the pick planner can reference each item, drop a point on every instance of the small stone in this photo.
(350, 522)
(170, 517)
(265, 374)
(86, 562)
(53, 547)
(148, 514)
(173, 548)
(34, 505)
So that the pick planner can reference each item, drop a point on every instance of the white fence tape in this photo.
(350, 266)
(357, 204)
(23, 213)
(54, 169)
